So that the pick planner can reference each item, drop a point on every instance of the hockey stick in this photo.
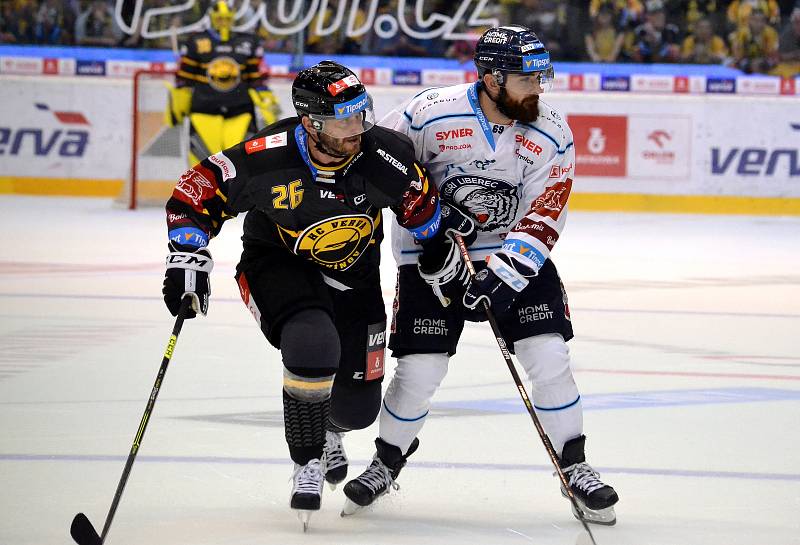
(522, 392)
(82, 530)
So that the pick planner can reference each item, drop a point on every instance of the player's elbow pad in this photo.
(179, 104)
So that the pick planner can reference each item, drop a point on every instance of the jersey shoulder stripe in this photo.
(437, 104)
(553, 126)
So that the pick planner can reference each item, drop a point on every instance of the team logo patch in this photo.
(336, 243)
(223, 74)
(493, 203)
(194, 185)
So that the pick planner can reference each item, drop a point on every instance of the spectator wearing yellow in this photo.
(739, 11)
(703, 46)
(604, 42)
(755, 46)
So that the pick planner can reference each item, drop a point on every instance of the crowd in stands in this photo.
(755, 36)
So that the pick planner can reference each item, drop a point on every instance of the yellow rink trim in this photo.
(73, 187)
(685, 204)
(160, 190)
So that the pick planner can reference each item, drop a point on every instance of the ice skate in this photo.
(334, 459)
(595, 498)
(378, 478)
(307, 490)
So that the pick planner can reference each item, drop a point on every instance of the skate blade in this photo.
(604, 517)
(350, 508)
(305, 517)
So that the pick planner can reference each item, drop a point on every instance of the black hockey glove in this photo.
(187, 274)
(440, 264)
(454, 221)
(498, 285)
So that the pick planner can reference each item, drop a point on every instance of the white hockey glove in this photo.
(187, 274)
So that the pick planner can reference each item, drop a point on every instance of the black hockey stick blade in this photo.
(83, 532)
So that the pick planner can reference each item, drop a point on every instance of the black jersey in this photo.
(220, 73)
(330, 216)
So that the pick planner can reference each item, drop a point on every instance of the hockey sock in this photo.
(554, 393)
(408, 397)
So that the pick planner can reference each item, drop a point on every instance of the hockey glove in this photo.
(440, 264)
(267, 105)
(179, 103)
(187, 274)
(454, 221)
(498, 285)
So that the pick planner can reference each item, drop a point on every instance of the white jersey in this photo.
(515, 180)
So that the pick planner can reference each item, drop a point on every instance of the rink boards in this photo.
(638, 152)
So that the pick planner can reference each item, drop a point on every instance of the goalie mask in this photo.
(221, 17)
(513, 49)
(334, 99)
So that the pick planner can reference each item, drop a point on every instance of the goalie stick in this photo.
(523, 393)
(81, 529)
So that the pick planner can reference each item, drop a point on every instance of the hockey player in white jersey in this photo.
(506, 158)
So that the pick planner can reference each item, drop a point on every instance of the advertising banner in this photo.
(720, 145)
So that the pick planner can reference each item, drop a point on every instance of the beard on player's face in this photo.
(525, 110)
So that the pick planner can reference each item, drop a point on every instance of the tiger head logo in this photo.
(493, 203)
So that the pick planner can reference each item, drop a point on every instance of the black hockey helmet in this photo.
(512, 49)
(333, 97)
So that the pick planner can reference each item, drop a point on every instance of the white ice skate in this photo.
(334, 459)
(307, 483)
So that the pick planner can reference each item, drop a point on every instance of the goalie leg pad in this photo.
(554, 393)
(205, 136)
(408, 397)
(235, 129)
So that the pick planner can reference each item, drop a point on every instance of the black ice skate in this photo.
(334, 459)
(307, 483)
(378, 478)
(595, 498)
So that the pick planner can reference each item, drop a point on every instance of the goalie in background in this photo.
(220, 87)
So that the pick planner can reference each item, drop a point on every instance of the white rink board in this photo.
(667, 144)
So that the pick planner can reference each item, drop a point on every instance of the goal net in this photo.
(159, 152)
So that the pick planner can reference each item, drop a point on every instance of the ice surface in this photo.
(687, 354)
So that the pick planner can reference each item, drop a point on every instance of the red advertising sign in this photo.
(601, 144)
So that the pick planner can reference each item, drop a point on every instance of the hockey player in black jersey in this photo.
(314, 186)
